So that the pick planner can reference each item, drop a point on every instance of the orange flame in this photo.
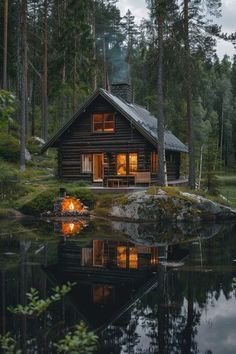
(71, 204)
(72, 228)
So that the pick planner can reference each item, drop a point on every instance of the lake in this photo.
(143, 288)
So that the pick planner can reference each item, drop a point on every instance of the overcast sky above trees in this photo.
(227, 21)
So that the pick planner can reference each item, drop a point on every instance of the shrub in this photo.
(80, 341)
(34, 145)
(9, 148)
(83, 193)
(39, 203)
(9, 178)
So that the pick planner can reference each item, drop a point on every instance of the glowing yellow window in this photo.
(103, 122)
(121, 164)
(154, 162)
(127, 164)
(97, 122)
(133, 163)
(109, 122)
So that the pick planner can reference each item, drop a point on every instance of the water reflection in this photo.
(156, 295)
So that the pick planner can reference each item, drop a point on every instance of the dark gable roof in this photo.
(140, 117)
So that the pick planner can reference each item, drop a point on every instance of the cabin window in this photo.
(127, 164)
(154, 162)
(87, 163)
(133, 163)
(103, 122)
(121, 164)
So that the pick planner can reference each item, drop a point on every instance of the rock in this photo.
(27, 155)
(142, 206)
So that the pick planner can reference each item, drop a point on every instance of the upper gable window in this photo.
(103, 122)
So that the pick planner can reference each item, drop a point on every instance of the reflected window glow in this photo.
(98, 251)
(102, 294)
(127, 257)
(154, 255)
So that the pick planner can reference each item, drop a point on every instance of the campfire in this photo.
(67, 206)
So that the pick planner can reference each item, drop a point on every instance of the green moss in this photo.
(9, 148)
(38, 202)
(171, 191)
(152, 190)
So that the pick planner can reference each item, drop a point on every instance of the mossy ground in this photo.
(38, 187)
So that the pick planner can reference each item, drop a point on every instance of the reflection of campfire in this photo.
(72, 227)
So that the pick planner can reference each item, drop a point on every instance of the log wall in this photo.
(80, 139)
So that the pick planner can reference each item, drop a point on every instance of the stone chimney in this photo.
(122, 90)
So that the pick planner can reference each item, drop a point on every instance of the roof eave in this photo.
(51, 142)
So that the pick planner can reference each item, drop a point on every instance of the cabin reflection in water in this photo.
(110, 275)
(109, 254)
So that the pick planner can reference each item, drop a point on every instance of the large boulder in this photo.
(164, 206)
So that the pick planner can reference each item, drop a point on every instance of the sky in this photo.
(227, 21)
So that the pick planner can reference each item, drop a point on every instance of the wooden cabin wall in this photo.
(172, 165)
(80, 139)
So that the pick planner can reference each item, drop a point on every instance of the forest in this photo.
(55, 53)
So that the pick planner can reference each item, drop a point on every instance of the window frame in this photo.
(90, 162)
(103, 122)
(154, 162)
(127, 164)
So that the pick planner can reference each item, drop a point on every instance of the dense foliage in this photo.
(76, 46)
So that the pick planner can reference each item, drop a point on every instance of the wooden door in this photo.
(97, 167)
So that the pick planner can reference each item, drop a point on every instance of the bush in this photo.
(9, 148)
(83, 193)
(45, 200)
(39, 203)
(34, 144)
(9, 179)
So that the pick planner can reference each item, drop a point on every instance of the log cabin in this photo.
(113, 140)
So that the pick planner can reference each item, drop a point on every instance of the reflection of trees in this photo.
(168, 317)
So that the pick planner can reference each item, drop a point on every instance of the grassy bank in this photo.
(228, 188)
(35, 190)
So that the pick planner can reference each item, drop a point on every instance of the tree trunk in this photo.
(162, 176)
(74, 79)
(5, 40)
(23, 80)
(191, 142)
(45, 75)
(33, 78)
(94, 45)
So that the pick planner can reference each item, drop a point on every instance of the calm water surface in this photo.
(143, 288)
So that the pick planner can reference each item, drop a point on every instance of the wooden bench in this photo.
(116, 182)
(142, 177)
